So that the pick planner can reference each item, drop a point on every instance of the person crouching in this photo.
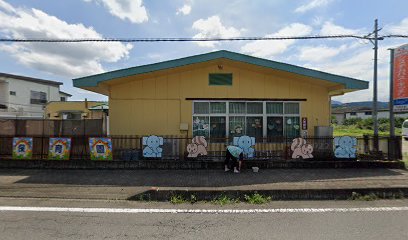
(231, 158)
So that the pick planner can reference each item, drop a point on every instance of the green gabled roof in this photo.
(94, 80)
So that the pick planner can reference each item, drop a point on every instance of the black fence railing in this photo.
(130, 148)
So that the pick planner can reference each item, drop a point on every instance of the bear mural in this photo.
(197, 147)
(345, 147)
(301, 149)
(246, 143)
(152, 149)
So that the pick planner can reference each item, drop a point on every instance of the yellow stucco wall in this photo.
(156, 104)
(52, 109)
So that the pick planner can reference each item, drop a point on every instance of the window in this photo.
(63, 99)
(368, 113)
(72, 115)
(201, 126)
(220, 79)
(221, 119)
(12, 93)
(38, 97)
(274, 127)
(254, 127)
(353, 113)
(217, 128)
(274, 108)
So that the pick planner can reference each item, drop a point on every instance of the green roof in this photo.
(94, 80)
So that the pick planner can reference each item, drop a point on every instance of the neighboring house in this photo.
(25, 97)
(219, 94)
(343, 113)
(76, 110)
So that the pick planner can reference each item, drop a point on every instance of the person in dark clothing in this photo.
(233, 154)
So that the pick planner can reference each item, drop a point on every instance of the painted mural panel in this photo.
(301, 149)
(152, 147)
(59, 148)
(22, 148)
(100, 148)
(197, 147)
(246, 143)
(345, 147)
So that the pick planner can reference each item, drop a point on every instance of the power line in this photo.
(78, 40)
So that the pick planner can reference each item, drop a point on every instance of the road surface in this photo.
(285, 220)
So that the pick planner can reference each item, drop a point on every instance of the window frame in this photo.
(40, 101)
(264, 115)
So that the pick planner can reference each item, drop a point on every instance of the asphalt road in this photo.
(305, 225)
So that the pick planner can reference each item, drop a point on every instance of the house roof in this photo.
(64, 93)
(36, 80)
(94, 80)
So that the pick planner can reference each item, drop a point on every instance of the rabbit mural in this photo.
(197, 147)
(301, 149)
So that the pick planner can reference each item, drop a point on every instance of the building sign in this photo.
(304, 123)
(22, 148)
(59, 148)
(400, 70)
(100, 148)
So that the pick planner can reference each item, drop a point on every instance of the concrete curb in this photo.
(188, 164)
(282, 194)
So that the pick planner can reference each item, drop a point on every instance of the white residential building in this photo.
(342, 114)
(25, 97)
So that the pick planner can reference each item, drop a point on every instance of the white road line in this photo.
(201, 211)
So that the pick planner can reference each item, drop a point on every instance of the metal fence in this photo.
(130, 148)
(51, 127)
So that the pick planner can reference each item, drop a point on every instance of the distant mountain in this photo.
(336, 103)
(367, 104)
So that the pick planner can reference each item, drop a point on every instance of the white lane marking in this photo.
(205, 211)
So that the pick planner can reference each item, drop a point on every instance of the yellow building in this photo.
(219, 94)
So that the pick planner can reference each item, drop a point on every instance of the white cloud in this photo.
(330, 28)
(132, 10)
(65, 59)
(319, 53)
(271, 48)
(401, 28)
(185, 10)
(312, 5)
(211, 28)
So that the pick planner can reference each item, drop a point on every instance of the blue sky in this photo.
(196, 18)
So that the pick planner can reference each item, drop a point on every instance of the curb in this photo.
(188, 164)
(278, 195)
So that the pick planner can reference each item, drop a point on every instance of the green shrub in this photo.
(177, 199)
(351, 121)
(223, 200)
(257, 198)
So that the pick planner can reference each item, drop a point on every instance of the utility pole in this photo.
(391, 103)
(375, 103)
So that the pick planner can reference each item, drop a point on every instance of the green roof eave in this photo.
(94, 80)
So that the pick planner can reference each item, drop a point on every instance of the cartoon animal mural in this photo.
(152, 149)
(197, 147)
(246, 143)
(301, 149)
(345, 147)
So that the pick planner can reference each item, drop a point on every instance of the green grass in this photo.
(177, 199)
(341, 130)
(358, 197)
(224, 200)
(257, 198)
